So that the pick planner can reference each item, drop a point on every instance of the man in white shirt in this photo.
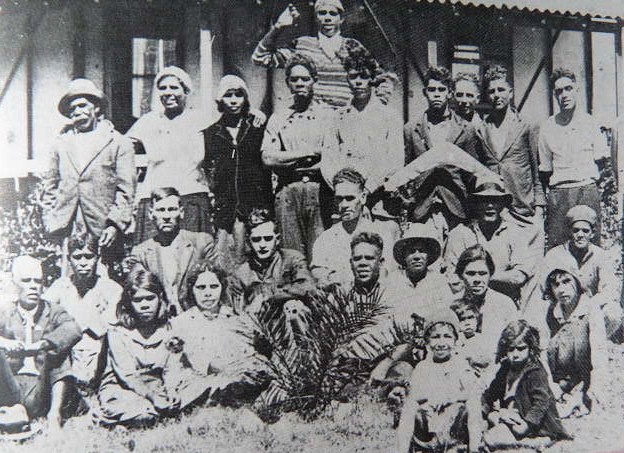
(571, 151)
(331, 252)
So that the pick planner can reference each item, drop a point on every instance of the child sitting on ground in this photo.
(519, 405)
(440, 411)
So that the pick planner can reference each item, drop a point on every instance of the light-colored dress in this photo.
(141, 371)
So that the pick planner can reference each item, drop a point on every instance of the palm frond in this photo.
(311, 366)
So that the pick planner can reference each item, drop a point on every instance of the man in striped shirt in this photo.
(327, 50)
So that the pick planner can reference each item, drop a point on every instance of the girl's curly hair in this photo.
(519, 331)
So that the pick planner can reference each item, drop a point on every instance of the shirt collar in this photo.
(581, 310)
(502, 227)
(334, 40)
(586, 257)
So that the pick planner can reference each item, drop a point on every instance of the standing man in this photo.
(92, 178)
(466, 94)
(331, 253)
(35, 339)
(439, 123)
(507, 148)
(571, 151)
(173, 252)
(327, 50)
(368, 131)
(292, 146)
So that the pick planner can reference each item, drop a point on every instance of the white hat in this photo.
(178, 73)
(325, 3)
(230, 82)
(80, 88)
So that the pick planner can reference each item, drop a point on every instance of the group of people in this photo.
(483, 231)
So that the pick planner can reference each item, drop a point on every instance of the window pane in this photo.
(148, 57)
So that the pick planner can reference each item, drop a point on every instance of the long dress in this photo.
(141, 371)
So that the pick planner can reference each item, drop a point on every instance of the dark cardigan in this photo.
(238, 179)
(533, 400)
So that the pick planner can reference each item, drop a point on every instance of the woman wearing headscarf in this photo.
(233, 163)
(173, 145)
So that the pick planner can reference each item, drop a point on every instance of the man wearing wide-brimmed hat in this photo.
(505, 241)
(91, 179)
(417, 288)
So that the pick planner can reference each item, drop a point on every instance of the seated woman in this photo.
(519, 404)
(577, 351)
(440, 410)
(213, 342)
(475, 269)
(143, 379)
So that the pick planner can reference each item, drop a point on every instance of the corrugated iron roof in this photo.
(596, 8)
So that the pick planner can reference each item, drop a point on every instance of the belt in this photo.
(312, 176)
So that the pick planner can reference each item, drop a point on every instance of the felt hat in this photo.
(581, 212)
(418, 234)
(328, 3)
(491, 189)
(230, 82)
(80, 88)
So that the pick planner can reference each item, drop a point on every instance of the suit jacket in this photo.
(517, 164)
(193, 249)
(51, 323)
(96, 175)
(417, 139)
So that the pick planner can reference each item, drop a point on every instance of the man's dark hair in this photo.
(301, 60)
(497, 72)
(349, 175)
(439, 74)
(468, 77)
(368, 238)
(163, 192)
(519, 330)
(560, 72)
(362, 61)
(472, 254)
(258, 216)
(79, 241)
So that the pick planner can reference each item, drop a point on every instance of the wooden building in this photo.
(120, 44)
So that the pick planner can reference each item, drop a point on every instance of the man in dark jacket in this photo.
(439, 123)
(271, 273)
(173, 252)
(35, 340)
(508, 147)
